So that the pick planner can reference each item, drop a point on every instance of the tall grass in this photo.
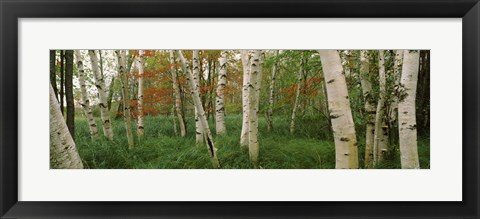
(310, 147)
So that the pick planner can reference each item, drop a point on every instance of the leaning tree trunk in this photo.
(271, 97)
(297, 95)
(379, 140)
(366, 81)
(220, 97)
(201, 112)
(196, 76)
(100, 84)
(406, 110)
(53, 76)
(84, 101)
(63, 152)
(69, 92)
(346, 150)
(245, 103)
(122, 73)
(178, 98)
(140, 126)
(253, 105)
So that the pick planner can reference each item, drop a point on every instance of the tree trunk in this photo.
(219, 103)
(62, 81)
(69, 92)
(346, 151)
(140, 126)
(370, 111)
(406, 110)
(201, 112)
(196, 76)
(245, 103)
(297, 95)
(253, 103)
(178, 98)
(100, 84)
(110, 93)
(272, 95)
(53, 76)
(85, 102)
(63, 152)
(379, 140)
(122, 73)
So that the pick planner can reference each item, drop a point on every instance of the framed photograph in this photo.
(239, 109)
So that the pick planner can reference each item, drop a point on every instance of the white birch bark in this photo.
(122, 72)
(253, 91)
(379, 141)
(245, 103)
(201, 112)
(219, 102)
(63, 152)
(196, 76)
(140, 125)
(406, 110)
(397, 71)
(300, 77)
(370, 110)
(346, 151)
(100, 84)
(271, 97)
(84, 101)
(178, 98)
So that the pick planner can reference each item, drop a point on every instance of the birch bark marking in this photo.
(63, 152)
(253, 90)
(397, 71)
(219, 102)
(245, 103)
(100, 84)
(297, 95)
(272, 95)
(139, 62)
(201, 112)
(379, 150)
(178, 98)
(84, 101)
(122, 73)
(406, 110)
(370, 110)
(196, 76)
(346, 151)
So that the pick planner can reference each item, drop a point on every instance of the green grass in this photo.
(311, 147)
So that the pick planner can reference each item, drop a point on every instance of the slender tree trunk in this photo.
(53, 76)
(272, 95)
(140, 126)
(393, 109)
(297, 95)
(100, 84)
(69, 92)
(178, 98)
(253, 91)
(110, 93)
(85, 102)
(370, 110)
(219, 106)
(196, 76)
(406, 110)
(379, 142)
(122, 73)
(346, 151)
(62, 80)
(201, 112)
(63, 152)
(245, 101)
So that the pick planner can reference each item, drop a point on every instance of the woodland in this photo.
(239, 109)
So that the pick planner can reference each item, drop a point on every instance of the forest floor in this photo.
(312, 146)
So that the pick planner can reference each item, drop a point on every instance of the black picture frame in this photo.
(12, 10)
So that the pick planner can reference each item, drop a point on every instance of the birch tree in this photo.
(346, 151)
(380, 143)
(139, 62)
(194, 86)
(196, 76)
(69, 92)
(245, 103)
(253, 103)
(178, 98)
(300, 77)
(122, 73)
(63, 152)
(219, 102)
(100, 84)
(271, 97)
(406, 110)
(84, 100)
(370, 110)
